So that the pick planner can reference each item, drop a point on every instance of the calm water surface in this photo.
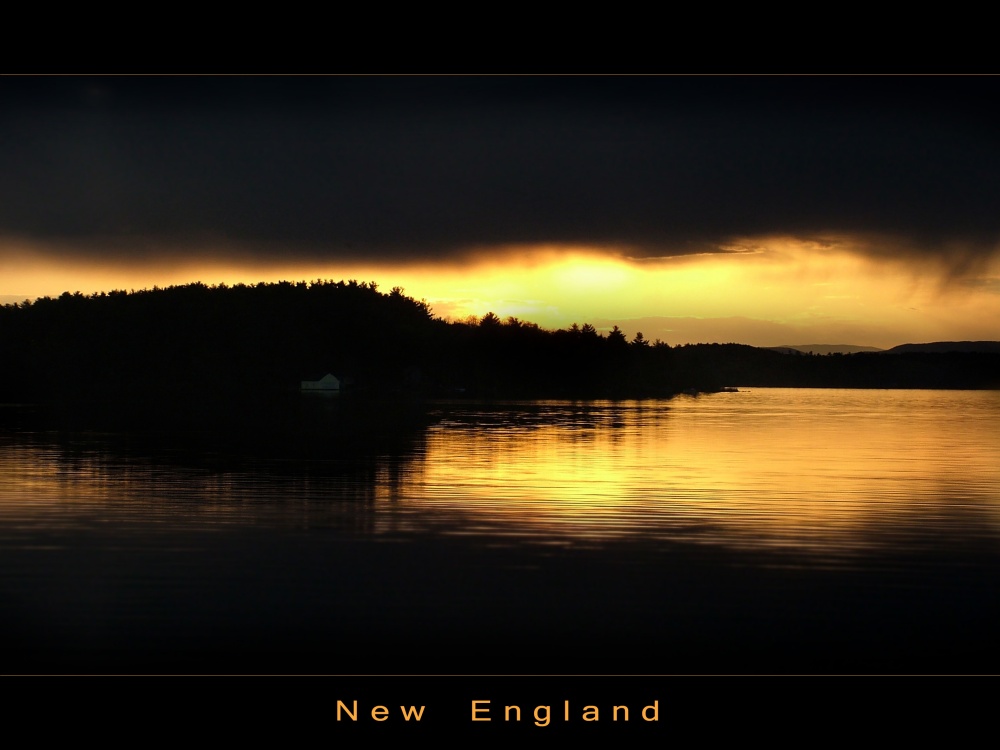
(816, 472)
(768, 530)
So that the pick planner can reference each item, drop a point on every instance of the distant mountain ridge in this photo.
(942, 347)
(934, 347)
(823, 348)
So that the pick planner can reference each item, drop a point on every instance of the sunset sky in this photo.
(763, 210)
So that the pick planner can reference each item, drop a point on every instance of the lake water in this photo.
(767, 530)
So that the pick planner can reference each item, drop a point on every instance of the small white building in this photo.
(326, 383)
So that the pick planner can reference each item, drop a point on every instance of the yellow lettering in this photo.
(590, 713)
(476, 710)
(380, 713)
(616, 709)
(412, 713)
(542, 716)
(346, 710)
(506, 712)
(656, 712)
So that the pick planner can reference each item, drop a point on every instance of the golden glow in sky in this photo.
(766, 292)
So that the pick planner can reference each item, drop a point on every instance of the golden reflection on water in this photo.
(61, 490)
(774, 467)
(827, 471)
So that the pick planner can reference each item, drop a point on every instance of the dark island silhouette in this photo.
(197, 340)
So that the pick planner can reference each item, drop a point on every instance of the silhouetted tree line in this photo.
(263, 338)
(199, 338)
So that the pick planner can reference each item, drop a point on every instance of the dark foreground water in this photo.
(764, 531)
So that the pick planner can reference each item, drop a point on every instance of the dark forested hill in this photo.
(197, 338)
(266, 338)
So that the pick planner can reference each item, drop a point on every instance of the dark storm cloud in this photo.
(425, 167)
